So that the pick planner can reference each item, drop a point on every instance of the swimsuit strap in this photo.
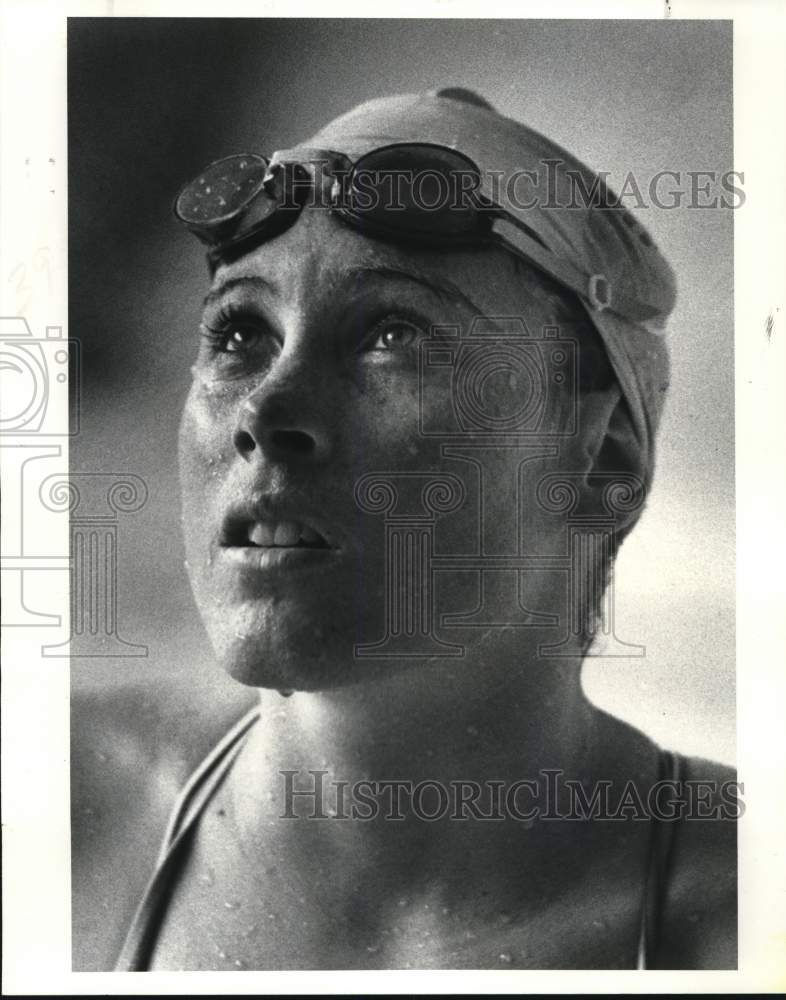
(199, 789)
(662, 835)
(204, 782)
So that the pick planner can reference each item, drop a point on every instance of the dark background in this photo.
(150, 101)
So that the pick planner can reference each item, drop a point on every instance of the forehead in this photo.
(320, 258)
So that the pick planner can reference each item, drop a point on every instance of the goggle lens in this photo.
(414, 190)
(220, 193)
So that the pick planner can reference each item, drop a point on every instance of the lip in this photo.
(265, 560)
(255, 568)
(272, 508)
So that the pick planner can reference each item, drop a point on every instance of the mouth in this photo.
(262, 541)
(273, 534)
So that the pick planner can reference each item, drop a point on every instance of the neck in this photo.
(479, 720)
(486, 716)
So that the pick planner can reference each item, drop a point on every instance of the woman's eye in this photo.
(241, 338)
(394, 336)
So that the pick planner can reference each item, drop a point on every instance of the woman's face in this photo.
(307, 379)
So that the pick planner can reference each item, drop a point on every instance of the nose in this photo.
(282, 421)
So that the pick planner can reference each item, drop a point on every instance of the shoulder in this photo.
(698, 927)
(133, 746)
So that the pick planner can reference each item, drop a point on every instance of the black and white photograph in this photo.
(391, 432)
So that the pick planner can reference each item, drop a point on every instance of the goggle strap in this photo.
(595, 289)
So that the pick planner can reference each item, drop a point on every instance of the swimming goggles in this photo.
(411, 192)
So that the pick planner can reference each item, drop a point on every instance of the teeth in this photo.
(286, 533)
(283, 534)
(261, 534)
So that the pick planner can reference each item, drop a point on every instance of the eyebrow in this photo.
(254, 280)
(443, 287)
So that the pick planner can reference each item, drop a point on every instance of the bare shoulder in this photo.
(132, 747)
(699, 916)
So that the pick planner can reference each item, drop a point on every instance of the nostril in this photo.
(294, 442)
(244, 443)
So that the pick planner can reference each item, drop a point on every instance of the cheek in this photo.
(207, 417)
(390, 419)
(204, 447)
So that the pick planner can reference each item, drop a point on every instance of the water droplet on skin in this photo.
(231, 905)
(250, 930)
(372, 949)
(239, 963)
(271, 916)
(402, 902)
(207, 878)
(505, 957)
(445, 910)
(600, 924)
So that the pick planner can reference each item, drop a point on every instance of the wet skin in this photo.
(307, 379)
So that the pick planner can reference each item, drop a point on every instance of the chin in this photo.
(301, 662)
(301, 641)
(284, 650)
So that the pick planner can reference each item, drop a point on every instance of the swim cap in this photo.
(572, 214)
